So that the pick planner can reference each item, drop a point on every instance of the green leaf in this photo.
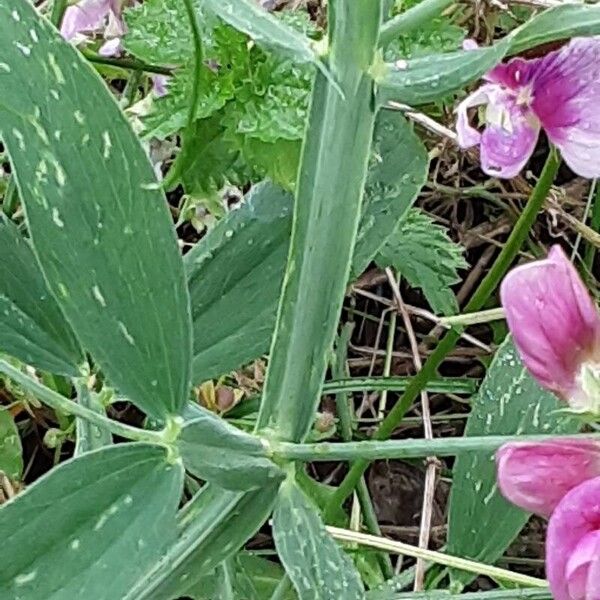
(559, 23)
(11, 452)
(432, 77)
(72, 534)
(397, 171)
(215, 451)
(510, 594)
(101, 230)
(32, 328)
(509, 402)
(234, 277)
(317, 566)
(213, 526)
(264, 28)
(423, 253)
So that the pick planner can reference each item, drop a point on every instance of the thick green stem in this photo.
(326, 215)
(62, 404)
(412, 19)
(406, 449)
(448, 342)
(174, 173)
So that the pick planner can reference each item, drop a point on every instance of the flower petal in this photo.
(566, 88)
(159, 85)
(578, 566)
(554, 323)
(509, 137)
(536, 476)
(110, 47)
(87, 15)
(576, 516)
(467, 135)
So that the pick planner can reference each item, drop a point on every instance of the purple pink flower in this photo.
(556, 328)
(561, 477)
(558, 92)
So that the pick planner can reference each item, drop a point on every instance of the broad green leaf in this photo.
(11, 452)
(74, 532)
(559, 23)
(218, 452)
(317, 566)
(263, 27)
(509, 402)
(429, 78)
(32, 328)
(101, 229)
(397, 171)
(234, 278)
(213, 526)
(423, 253)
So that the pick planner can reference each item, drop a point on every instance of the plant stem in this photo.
(406, 449)
(437, 557)
(411, 19)
(58, 12)
(125, 63)
(60, 403)
(176, 169)
(447, 343)
(590, 252)
(340, 369)
(474, 318)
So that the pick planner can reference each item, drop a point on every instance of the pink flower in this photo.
(536, 476)
(573, 544)
(558, 92)
(90, 16)
(556, 328)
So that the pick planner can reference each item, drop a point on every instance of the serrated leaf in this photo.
(72, 534)
(32, 327)
(317, 566)
(11, 452)
(101, 229)
(234, 277)
(397, 171)
(264, 28)
(218, 452)
(423, 253)
(509, 402)
(213, 526)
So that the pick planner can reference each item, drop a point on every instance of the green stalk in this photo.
(510, 594)
(60, 403)
(58, 12)
(326, 214)
(412, 19)
(450, 385)
(448, 342)
(406, 449)
(345, 416)
(590, 252)
(125, 63)
(175, 171)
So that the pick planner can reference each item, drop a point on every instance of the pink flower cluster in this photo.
(557, 92)
(556, 329)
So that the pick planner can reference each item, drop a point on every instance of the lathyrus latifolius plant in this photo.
(98, 293)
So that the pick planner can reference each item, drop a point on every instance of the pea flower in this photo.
(536, 475)
(561, 477)
(557, 92)
(90, 16)
(556, 329)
